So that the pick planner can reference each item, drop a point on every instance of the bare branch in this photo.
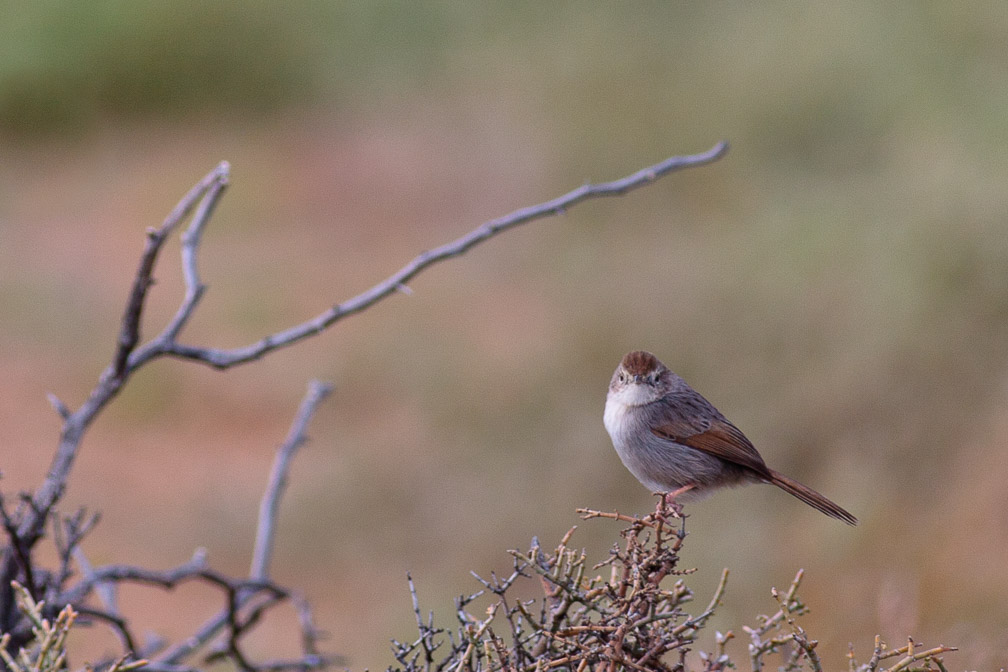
(190, 272)
(153, 666)
(67, 534)
(700, 620)
(106, 593)
(259, 572)
(129, 334)
(118, 624)
(214, 626)
(166, 579)
(111, 381)
(249, 596)
(20, 551)
(397, 281)
(310, 635)
(270, 504)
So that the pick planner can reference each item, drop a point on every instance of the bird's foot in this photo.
(667, 504)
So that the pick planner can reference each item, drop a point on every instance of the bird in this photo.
(676, 442)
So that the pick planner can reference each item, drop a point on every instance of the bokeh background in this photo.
(837, 285)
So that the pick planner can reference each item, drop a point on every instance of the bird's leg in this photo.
(668, 499)
(664, 507)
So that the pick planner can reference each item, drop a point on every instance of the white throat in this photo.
(633, 394)
(623, 397)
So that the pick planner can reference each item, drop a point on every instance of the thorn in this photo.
(58, 405)
(404, 289)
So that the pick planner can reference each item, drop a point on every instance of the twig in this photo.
(192, 570)
(58, 405)
(97, 576)
(153, 666)
(262, 552)
(588, 514)
(190, 273)
(912, 656)
(118, 624)
(19, 549)
(698, 621)
(808, 647)
(270, 504)
(106, 592)
(129, 334)
(310, 634)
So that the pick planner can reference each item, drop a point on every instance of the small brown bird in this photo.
(674, 441)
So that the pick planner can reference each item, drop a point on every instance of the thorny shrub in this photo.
(636, 620)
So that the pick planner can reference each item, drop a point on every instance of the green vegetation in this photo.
(47, 650)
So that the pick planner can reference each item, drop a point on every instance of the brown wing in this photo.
(716, 436)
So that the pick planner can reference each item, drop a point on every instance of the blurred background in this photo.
(837, 285)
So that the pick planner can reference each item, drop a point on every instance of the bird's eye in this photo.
(622, 377)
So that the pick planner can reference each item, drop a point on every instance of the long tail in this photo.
(811, 497)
